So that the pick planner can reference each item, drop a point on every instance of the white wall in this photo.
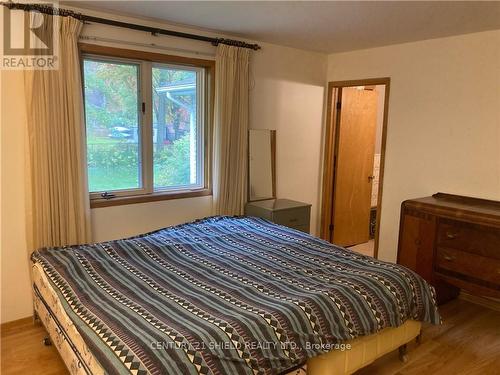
(129, 220)
(287, 95)
(15, 284)
(444, 119)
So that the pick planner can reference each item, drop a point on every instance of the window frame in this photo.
(146, 61)
(141, 125)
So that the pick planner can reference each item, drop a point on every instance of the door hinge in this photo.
(339, 105)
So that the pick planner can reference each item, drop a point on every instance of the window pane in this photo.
(112, 119)
(176, 138)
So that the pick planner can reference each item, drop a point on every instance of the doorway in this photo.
(354, 163)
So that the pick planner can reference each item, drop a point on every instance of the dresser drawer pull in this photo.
(451, 235)
(449, 258)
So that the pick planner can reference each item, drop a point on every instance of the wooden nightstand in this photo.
(286, 212)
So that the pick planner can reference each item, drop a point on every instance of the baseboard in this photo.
(489, 302)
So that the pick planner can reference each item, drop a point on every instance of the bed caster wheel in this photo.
(36, 320)
(403, 356)
(47, 341)
(418, 339)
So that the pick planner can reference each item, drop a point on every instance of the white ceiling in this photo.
(324, 26)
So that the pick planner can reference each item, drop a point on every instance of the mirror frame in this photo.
(272, 133)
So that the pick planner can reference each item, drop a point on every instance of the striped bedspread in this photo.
(227, 295)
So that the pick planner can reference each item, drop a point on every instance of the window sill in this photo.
(154, 197)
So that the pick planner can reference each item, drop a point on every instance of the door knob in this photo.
(371, 178)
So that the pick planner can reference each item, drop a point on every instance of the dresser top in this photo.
(278, 204)
(461, 203)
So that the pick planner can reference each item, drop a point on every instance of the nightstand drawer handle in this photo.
(449, 258)
(293, 220)
(451, 235)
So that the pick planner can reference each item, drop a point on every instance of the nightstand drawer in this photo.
(293, 214)
(302, 228)
(292, 217)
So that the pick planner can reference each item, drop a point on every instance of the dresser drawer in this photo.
(293, 217)
(469, 265)
(471, 238)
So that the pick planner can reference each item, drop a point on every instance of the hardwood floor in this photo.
(366, 248)
(467, 343)
(24, 353)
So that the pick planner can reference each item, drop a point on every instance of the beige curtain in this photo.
(230, 130)
(58, 201)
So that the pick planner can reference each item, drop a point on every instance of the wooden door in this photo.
(354, 166)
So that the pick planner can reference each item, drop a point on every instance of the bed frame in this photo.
(57, 335)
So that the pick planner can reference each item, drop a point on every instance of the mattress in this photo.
(64, 277)
(62, 330)
(352, 356)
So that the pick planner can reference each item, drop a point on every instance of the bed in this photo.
(225, 295)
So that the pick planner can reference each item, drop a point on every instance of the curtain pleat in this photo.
(58, 209)
(230, 130)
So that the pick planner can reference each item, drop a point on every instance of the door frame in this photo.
(330, 148)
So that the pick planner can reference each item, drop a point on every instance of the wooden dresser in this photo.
(453, 242)
(286, 212)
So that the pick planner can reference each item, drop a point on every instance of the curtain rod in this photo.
(49, 9)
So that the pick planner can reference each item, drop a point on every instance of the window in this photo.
(146, 125)
(177, 135)
(112, 121)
